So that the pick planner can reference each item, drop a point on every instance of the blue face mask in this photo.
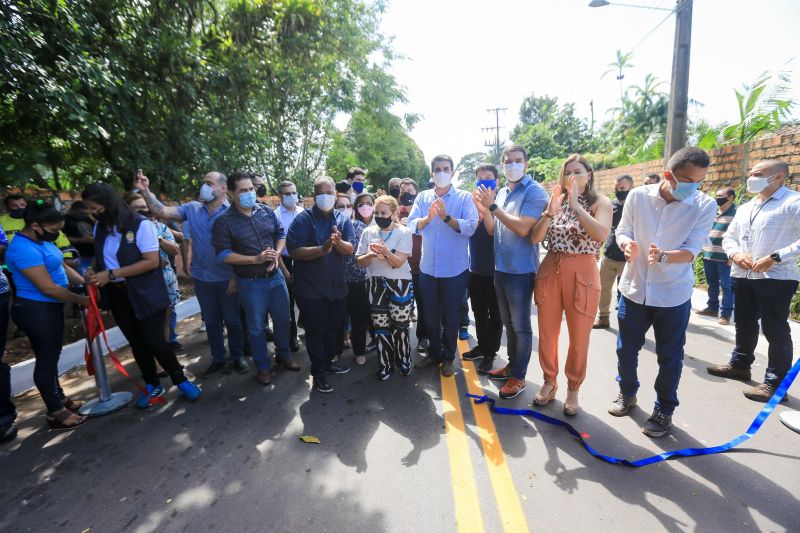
(489, 184)
(247, 199)
(358, 186)
(684, 190)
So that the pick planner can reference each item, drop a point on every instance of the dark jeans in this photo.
(216, 306)
(488, 323)
(669, 326)
(8, 413)
(323, 321)
(514, 297)
(146, 337)
(260, 297)
(421, 331)
(465, 310)
(358, 309)
(43, 323)
(292, 317)
(767, 300)
(441, 305)
(718, 275)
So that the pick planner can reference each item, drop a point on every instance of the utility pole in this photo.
(675, 137)
(496, 129)
(591, 127)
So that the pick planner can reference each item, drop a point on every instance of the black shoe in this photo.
(176, 346)
(270, 336)
(447, 369)
(240, 365)
(657, 425)
(294, 345)
(213, 368)
(338, 369)
(486, 365)
(472, 354)
(321, 384)
(8, 433)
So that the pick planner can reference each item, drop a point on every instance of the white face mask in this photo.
(352, 197)
(206, 193)
(346, 211)
(514, 171)
(325, 202)
(442, 179)
(756, 184)
(290, 200)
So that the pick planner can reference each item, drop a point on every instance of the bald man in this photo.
(214, 282)
(763, 242)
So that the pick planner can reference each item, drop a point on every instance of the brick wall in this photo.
(729, 165)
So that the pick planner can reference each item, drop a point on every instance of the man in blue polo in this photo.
(446, 218)
(318, 241)
(514, 211)
(214, 283)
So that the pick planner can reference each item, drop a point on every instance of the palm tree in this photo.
(622, 63)
(763, 106)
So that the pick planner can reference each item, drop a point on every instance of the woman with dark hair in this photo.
(575, 224)
(128, 273)
(364, 208)
(41, 279)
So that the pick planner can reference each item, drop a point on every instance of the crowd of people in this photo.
(362, 267)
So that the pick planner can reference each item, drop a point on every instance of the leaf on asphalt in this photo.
(308, 439)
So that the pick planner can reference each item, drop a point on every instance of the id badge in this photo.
(746, 236)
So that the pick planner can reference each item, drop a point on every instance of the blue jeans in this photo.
(669, 325)
(514, 296)
(769, 301)
(217, 306)
(442, 299)
(259, 297)
(8, 413)
(718, 274)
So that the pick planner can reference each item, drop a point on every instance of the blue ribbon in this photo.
(780, 392)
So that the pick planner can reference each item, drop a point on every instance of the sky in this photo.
(464, 57)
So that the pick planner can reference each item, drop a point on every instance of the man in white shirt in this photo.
(662, 230)
(288, 209)
(763, 241)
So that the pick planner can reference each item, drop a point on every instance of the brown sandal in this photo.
(65, 419)
(73, 405)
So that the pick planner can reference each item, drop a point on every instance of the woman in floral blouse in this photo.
(574, 226)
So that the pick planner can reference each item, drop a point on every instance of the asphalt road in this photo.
(409, 454)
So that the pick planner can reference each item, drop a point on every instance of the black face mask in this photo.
(407, 198)
(47, 236)
(722, 201)
(621, 195)
(145, 213)
(261, 190)
(17, 213)
(394, 191)
(383, 222)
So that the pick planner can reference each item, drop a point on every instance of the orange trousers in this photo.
(566, 284)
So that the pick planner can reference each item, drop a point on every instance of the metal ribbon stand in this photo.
(791, 419)
(108, 402)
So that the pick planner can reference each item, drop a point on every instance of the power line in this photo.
(496, 128)
(648, 34)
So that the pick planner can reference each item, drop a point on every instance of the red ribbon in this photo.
(94, 328)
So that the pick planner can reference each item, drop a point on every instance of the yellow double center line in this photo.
(465, 491)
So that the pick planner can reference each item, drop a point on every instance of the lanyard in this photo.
(753, 216)
(387, 237)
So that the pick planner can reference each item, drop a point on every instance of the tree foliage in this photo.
(94, 89)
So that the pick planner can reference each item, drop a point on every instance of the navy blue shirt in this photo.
(323, 277)
(481, 252)
(235, 232)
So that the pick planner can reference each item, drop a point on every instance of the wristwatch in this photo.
(663, 257)
(775, 257)
(447, 219)
(492, 208)
(111, 275)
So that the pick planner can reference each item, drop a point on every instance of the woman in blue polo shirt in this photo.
(128, 273)
(41, 279)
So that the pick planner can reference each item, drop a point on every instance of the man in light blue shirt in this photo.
(214, 283)
(511, 215)
(446, 218)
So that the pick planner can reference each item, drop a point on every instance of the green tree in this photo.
(465, 168)
(618, 67)
(548, 130)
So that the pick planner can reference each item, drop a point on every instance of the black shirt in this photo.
(235, 232)
(612, 251)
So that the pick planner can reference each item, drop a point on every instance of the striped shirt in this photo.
(712, 250)
(763, 228)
